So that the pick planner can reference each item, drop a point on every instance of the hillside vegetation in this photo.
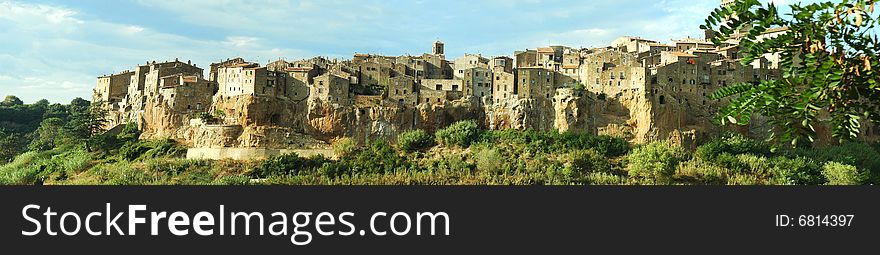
(52, 152)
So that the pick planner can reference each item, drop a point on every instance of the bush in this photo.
(488, 160)
(461, 134)
(733, 144)
(415, 140)
(655, 162)
(589, 161)
(697, 171)
(344, 147)
(843, 174)
(796, 171)
(148, 149)
(860, 155)
(599, 178)
(288, 164)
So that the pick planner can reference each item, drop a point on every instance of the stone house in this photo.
(403, 91)
(331, 88)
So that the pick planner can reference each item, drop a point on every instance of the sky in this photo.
(55, 49)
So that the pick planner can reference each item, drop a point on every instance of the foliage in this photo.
(538, 141)
(589, 161)
(9, 146)
(489, 160)
(731, 143)
(796, 171)
(49, 134)
(861, 155)
(828, 65)
(654, 162)
(843, 174)
(344, 147)
(415, 140)
(288, 164)
(147, 149)
(461, 133)
(11, 101)
(378, 157)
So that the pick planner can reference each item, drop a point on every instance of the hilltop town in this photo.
(636, 88)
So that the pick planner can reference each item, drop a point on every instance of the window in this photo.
(662, 100)
(439, 86)
(454, 87)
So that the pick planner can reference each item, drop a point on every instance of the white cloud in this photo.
(58, 52)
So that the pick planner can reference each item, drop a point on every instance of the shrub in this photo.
(376, 158)
(599, 178)
(344, 147)
(488, 160)
(698, 171)
(415, 140)
(733, 144)
(148, 149)
(235, 180)
(461, 133)
(860, 155)
(654, 162)
(288, 164)
(588, 161)
(843, 174)
(796, 171)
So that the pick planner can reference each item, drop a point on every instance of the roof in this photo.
(692, 40)
(298, 69)
(546, 50)
(682, 54)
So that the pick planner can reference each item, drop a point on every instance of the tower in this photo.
(438, 48)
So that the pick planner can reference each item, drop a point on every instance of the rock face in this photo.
(256, 122)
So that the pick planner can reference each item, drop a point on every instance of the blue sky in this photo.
(55, 49)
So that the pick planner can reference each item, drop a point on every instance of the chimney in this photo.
(189, 62)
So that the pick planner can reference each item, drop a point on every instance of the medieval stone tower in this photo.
(438, 48)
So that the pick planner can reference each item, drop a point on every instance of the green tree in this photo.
(828, 65)
(415, 140)
(86, 124)
(10, 101)
(43, 103)
(49, 134)
(655, 162)
(460, 133)
(8, 146)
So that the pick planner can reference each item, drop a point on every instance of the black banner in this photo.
(464, 220)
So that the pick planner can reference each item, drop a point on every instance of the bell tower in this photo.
(438, 48)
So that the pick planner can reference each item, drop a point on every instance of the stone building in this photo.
(502, 63)
(469, 61)
(503, 83)
(535, 83)
(251, 79)
(527, 58)
(186, 94)
(403, 91)
(331, 88)
(478, 83)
